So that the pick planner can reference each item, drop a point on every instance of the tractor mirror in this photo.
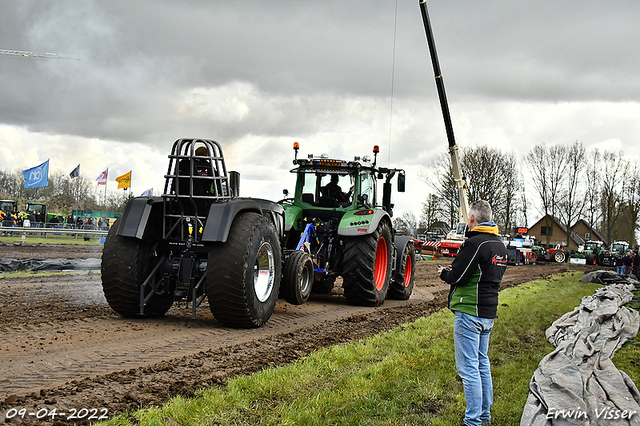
(401, 182)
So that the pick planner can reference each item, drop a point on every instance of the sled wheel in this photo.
(367, 267)
(297, 278)
(126, 264)
(243, 273)
(401, 286)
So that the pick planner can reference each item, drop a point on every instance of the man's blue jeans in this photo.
(471, 339)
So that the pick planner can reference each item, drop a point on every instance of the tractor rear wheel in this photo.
(297, 278)
(367, 267)
(126, 264)
(401, 286)
(243, 273)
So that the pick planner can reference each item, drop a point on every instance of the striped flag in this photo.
(102, 179)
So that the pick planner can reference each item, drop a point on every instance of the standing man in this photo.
(627, 261)
(475, 277)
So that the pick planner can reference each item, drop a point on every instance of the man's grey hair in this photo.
(481, 210)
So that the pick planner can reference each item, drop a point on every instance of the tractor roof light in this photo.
(296, 147)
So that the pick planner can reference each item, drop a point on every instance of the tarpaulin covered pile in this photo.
(12, 265)
(577, 383)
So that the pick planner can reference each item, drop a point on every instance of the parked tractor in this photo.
(8, 208)
(593, 252)
(617, 249)
(197, 241)
(555, 254)
(334, 226)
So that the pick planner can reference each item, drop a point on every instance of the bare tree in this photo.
(439, 177)
(62, 194)
(593, 192)
(632, 202)
(571, 204)
(490, 175)
(614, 169)
(548, 168)
(430, 211)
(406, 221)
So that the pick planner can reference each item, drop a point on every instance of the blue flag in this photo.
(38, 176)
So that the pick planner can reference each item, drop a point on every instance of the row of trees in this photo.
(567, 182)
(62, 195)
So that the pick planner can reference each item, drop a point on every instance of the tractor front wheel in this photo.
(367, 267)
(297, 278)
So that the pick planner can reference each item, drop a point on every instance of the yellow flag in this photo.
(124, 181)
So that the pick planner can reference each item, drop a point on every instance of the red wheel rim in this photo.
(408, 265)
(382, 258)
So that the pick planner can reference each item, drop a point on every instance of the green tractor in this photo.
(334, 226)
(593, 252)
(617, 248)
(8, 209)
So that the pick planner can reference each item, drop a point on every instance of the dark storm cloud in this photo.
(297, 62)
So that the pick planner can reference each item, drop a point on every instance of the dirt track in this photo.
(64, 348)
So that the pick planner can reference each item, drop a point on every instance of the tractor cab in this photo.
(339, 190)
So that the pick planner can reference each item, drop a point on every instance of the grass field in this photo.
(402, 377)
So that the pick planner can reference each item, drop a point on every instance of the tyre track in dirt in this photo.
(49, 354)
(63, 347)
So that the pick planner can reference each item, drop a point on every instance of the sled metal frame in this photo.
(154, 284)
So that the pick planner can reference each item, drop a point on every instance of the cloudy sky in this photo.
(258, 75)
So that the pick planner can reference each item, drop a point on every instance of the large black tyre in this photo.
(559, 256)
(401, 285)
(243, 274)
(126, 264)
(297, 278)
(367, 267)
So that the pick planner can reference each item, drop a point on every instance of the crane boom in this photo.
(36, 54)
(444, 105)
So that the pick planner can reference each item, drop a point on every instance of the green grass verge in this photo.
(403, 377)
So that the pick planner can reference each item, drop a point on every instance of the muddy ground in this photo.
(62, 347)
